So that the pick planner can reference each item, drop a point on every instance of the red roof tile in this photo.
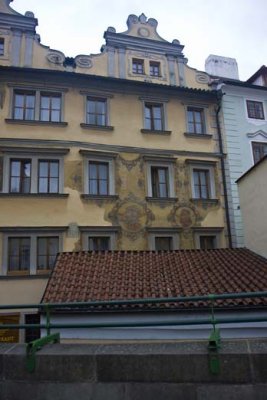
(121, 275)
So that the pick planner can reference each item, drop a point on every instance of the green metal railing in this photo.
(119, 305)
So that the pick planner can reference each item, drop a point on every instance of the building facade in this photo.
(244, 119)
(119, 151)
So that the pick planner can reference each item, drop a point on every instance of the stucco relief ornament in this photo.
(129, 164)
(83, 61)
(132, 215)
(202, 77)
(55, 57)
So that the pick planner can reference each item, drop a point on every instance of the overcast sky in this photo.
(232, 28)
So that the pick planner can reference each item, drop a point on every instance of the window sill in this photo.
(155, 132)
(44, 195)
(198, 135)
(99, 197)
(206, 201)
(162, 199)
(34, 122)
(97, 127)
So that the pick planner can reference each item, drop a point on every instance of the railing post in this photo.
(214, 342)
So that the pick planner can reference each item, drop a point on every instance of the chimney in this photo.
(222, 66)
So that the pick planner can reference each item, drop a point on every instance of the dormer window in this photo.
(2, 46)
(154, 68)
(138, 66)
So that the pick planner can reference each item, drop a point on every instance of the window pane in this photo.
(100, 107)
(56, 102)
(103, 171)
(43, 185)
(92, 171)
(157, 112)
(29, 114)
(43, 168)
(99, 243)
(47, 249)
(19, 254)
(53, 185)
(15, 185)
(103, 187)
(100, 120)
(19, 100)
(30, 100)
(54, 165)
(44, 115)
(157, 125)
(207, 242)
(91, 106)
(55, 116)
(93, 187)
(45, 102)
(15, 168)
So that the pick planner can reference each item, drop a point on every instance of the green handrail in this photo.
(152, 300)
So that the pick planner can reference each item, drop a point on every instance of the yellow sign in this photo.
(9, 335)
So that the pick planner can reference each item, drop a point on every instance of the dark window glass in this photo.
(32, 333)
(154, 68)
(163, 243)
(47, 249)
(20, 176)
(19, 253)
(195, 120)
(48, 176)
(24, 105)
(154, 117)
(99, 243)
(96, 112)
(2, 46)
(207, 242)
(201, 184)
(98, 174)
(50, 107)
(259, 151)
(255, 109)
(138, 66)
(160, 184)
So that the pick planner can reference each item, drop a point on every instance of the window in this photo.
(30, 173)
(259, 151)
(154, 68)
(255, 109)
(98, 174)
(154, 117)
(19, 254)
(207, 242)
(201, 178)
(163, 239)
(195, 120)
(24, 105)
(48, 176)
(47, 249)
(20, 176)
(163, 243)
(138, 66)
(160, 177)
(50, 107)
(29, 250)
(2, 46)
(98, 243)
(32, 333)
(96, 111)
(99, 238)
(207, 238)
(160, 181)
(35, 105)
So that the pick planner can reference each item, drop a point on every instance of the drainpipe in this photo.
(217, 109)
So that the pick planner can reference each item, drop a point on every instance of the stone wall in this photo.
(171, 370)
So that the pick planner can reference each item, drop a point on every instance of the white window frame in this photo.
(37, 110)
(33, 234)
(34, 171)
(210, 169)
(163, 232)
(105, 158)
(165, 164)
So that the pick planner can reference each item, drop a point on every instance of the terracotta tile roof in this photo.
(114, 275)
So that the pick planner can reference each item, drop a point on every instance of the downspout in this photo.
(217, 110)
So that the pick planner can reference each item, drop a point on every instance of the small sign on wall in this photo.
(9, 335)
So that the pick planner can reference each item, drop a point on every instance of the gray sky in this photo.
(231, 28)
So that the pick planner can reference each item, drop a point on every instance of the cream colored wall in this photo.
(124, 134)
(21, 291)
(253, 203)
